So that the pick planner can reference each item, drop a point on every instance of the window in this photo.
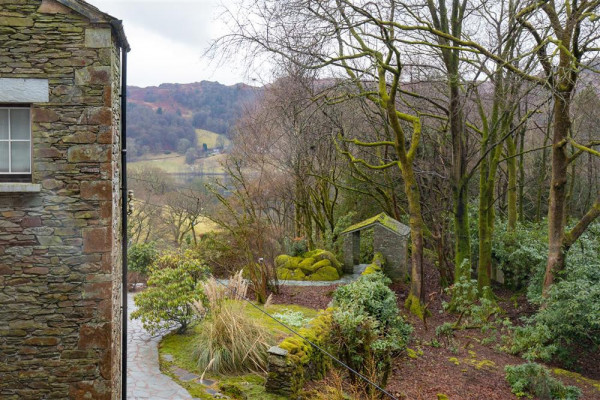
(15, 144)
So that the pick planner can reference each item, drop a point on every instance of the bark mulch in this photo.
(466, 370)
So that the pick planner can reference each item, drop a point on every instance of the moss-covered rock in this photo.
(307, 264)
(376, 265)
(290, 274)
(281, 260)
(320, 255)
(324, 274)
(316, 265)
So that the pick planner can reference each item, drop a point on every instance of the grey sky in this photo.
(168, 38)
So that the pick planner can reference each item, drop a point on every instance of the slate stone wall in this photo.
(60, 291)
(393, 248)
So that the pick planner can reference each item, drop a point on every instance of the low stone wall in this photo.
(295, 360)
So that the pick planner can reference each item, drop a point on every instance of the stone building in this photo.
(60, 200)
(390, 238)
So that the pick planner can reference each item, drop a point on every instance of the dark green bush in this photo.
(571, 312)
(368, 330)
(140, 257)
(174, 287)
(533, 379)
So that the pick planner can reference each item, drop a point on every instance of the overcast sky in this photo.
(168, 38)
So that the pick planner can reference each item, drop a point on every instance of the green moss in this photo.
(442, 396)
(300, 351)
(371, 269)
(290, 275)
(307, 265)
(316, 262)
(414, 306)
(376, 265)
(321, 255)
(312, 253)
(577, 377)
(485, 364)
(323, 263)
(281, 260)
(383, 219)
(454, 360)
(324, 274)
(413, 354)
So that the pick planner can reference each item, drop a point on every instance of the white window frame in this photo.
(10, 141)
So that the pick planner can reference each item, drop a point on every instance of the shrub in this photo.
(296, 246)
(520, 254)
(532, 379)
(140, 257)
(571, 312)
(230, 341)
(171, 294)
(292, 318)
(368, 330)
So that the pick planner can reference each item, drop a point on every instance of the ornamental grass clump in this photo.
(230, 341)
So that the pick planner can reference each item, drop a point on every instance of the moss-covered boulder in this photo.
(316, 265)
(321, 255)
(290, 274)
(376, 265)
(324, 274)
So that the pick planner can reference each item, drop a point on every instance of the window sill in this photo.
(6, 187)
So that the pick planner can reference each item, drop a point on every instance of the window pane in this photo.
(19, 124)
(20, 155)
(3, 124)
(3, 156)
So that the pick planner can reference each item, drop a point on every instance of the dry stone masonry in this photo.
(60, 291)
(390, 238)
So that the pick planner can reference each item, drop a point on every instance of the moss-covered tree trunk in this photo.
(486, 226)
(558, 185)
(416, 234)
(511, 152)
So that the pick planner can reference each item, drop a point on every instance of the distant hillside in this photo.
(206, 105)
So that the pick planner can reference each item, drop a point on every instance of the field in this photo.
(175, 163)
(210, 138)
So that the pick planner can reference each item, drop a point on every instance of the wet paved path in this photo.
(144, 379)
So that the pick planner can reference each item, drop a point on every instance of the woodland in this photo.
(475, 123)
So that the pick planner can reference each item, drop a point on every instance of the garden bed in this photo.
(176, 354)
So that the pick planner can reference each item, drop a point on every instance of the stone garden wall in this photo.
(60, 291)
(393, 248)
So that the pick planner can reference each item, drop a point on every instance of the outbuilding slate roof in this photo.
(382, 219)
(97, 16)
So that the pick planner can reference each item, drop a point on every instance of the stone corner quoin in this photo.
(60, 245)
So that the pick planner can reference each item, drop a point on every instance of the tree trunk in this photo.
(486, 227)
(462, 255)
(521, 175)
(511, 150)
(558, 189)
(416, 296)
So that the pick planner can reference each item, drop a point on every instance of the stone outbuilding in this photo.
(390, 238)
(60, 200)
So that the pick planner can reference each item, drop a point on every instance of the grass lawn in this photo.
(210, 138)
(182, 348)
(175, 163)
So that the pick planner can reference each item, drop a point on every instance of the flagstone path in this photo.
(144, 379)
